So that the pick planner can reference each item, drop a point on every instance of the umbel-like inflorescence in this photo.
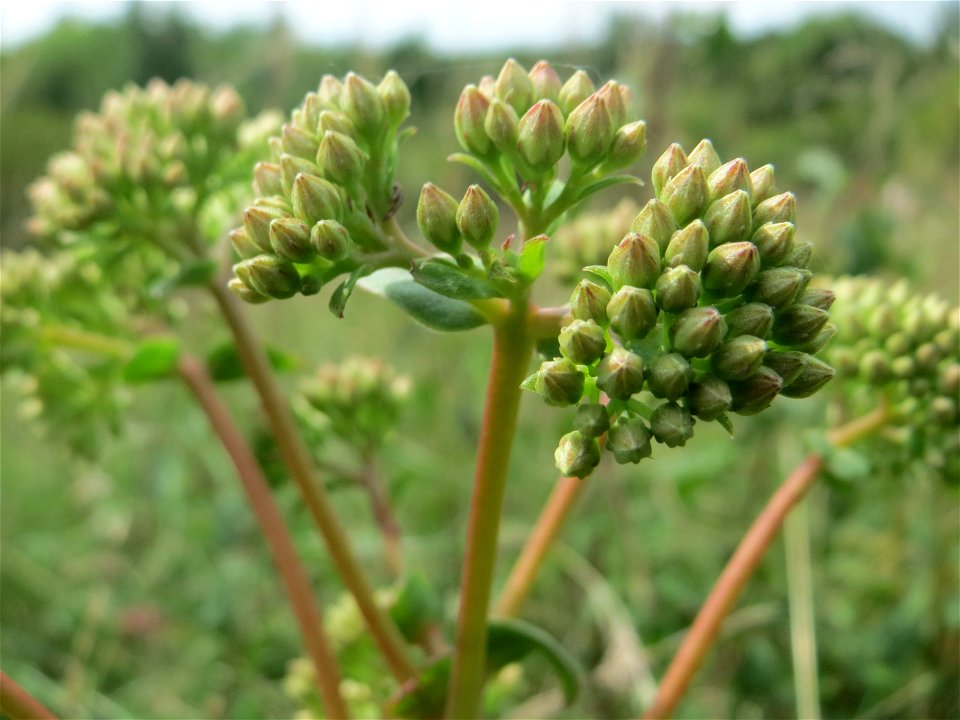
(701, 309)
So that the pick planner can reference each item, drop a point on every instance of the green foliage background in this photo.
(140, 587)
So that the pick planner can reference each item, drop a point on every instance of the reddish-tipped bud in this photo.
(709, 398)
(256, 222)
(589, 302)
(298, 142)
(685, 194)
(728, 178)
(656, 221)
(267, 179)
(501, 126)
(634, 261)
(750, 319)
(590, 128)
(576, 455)
(559, 382)
(673, 160)
(697, 332)
(340, 158)
(632, 312)
(764, 184)
(315, 199)
(394, 97)
(574, 91)
(671, 424)
(290, 239)
(776, 209)
(242, 244)
(779, 286)
(468, 120)
(728, 219)
(774, 241)
(477, 217)
(739, 358)
(540, 138)
(705, 156)
(629, 143)
(514, 86)
(269, 275)
(678, 289)
(362, 104)
(437, 218)
(669, 376)
(814, 375)
(582, 342)
(799, 324)
(546, 83)
(730, 268)
(620, 374)
(689, 246)
(754, 394)
(330, 240)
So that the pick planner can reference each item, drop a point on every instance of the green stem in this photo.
(84, 340)
(512, 347)
(297, 459)
(803, 638)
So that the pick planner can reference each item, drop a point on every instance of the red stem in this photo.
(17, 704)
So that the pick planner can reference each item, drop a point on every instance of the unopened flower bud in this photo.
(799, 324)
(299, 143)
(545, 81)
(903, 368)
(730, 268)
(335, 121)
(799, 255)
(501, 125)
(774, 242)
(685, 194)
(820, 341)
(944, 410)
(468, 121)
(787, 364)
(818, 297)
(948, 380)
(709, 398)
(678, 288)
(632, 312)
(540, 138)
(656, 221)
(269, 275)
(634, 261)
(577, 456)
(729, 178)
(559, 382)
(764, 184)
(437, 218)
(574, 91)
(927, 356)
(629, 143)
(477, 217)
(245, 292)
(590, 128)
(620, 374)
(330, 240)
(315, 199)
(667, 166)
(671, 424)
(310, 113)
(728, 219)
(267, 179)
(395, 98)
(242, 244)
(739, 358)
(689, 246)
(290, 239)
(669, 376)
(330, 90)
(290, 167)
(814, 375)
(697, 332)
(776, 209)
(779, 286)
(750, 319)
(340, 158)
(629, 440)
(754, 394)
(256, 222)
(705, 156)
(362, 104)
(592, 420)
(582, 342)
(514, 86)
(589, 302)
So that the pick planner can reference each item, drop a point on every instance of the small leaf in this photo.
(422, 304)
(417, 606)
(338, 300)
(154, 359)
(451, 281)
(224, 364)
(725, 423)
(481, 167)
(530, 382)
(605, 183)
(847, 465)
(532, 258)
(601, 272)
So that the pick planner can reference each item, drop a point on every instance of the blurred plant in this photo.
(587, 239)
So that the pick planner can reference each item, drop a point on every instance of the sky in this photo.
(480, 25)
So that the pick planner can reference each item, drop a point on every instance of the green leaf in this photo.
(847, 465)
(601, 272)
(605, 183)
(198, 273)
(422, 304)
(426, 698)
(481, 167)
(224, 364)
(726, 423)
(511, 640)
(417, 606)
(532, 258)
(451, 281)
(154, 359)
(338, 300)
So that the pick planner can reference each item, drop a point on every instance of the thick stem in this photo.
(297, 459)
(295, 580)
(17, 704)
(554, 513)
(511, 353)
(744, 561)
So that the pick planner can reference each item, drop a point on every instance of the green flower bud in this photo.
(590, 128)
(750, 319)
(589, 302)
(818, 297)
(269, 275)
(897, 344)
(340, 158)
(788, 365)
(730, 268)
(764, 184)
(620, 374)
(395, 98)
(739, 358)
(559, 382)
(582, 342)
(814, 375)
(437, 218)
(927, 356)
(310, 113)
(798, 324)
(362, 104)
(697, 332)
(290, 167)
(501, 125)
(634, 261)
(335, 121)
(678, 289)
(614, 97)
(274, 202)
(944, 410)
(246, 293)
(656, 221)
(689, 246)
(667, 166)
(477, 217)
(774, 242)
(754, 394)
(685, 194)
(574, 91)
(777, 209)
(948, 380)
(540, 136)
(779, 286)
(330, 240)
(729, 178)
(671, 424)
(705, 157)
(903, 368)
(256, 222)
(487, 86)
(591, 420)
(290, 239)
(468, 122)
(820, 341)
(669, 376)
(709, 398)
(329, 91)
(632, 312)
(299, 143)
(514, 86)
(629, 143)
(267, 179)
(629, 440)
(545, 81)
(577, 456)
(315, 199)
(728, 219)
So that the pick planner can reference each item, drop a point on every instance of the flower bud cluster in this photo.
(701, 309)
(325, 191)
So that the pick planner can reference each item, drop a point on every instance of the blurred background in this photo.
(139, 587)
